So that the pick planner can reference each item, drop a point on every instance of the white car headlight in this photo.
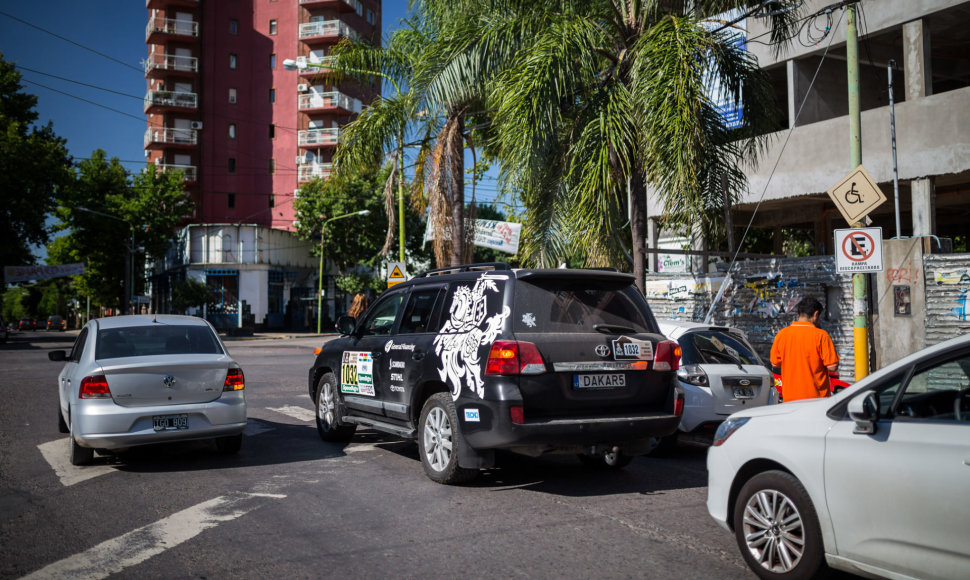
(727, 428)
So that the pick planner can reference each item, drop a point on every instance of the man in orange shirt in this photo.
(805, 354)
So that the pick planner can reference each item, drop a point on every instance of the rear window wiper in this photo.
(613, 328)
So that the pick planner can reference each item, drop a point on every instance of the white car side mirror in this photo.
(864, 410)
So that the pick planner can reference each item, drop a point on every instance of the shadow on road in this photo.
(39, 341)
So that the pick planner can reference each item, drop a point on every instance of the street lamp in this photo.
(302, 64)
(129, 253)
(320, 278)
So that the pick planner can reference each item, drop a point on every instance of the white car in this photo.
(873, 480)
(720, 373)
(136, 380)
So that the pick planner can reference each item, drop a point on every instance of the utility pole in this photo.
(860, 304)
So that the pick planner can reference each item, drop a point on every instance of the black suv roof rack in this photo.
(479, 267)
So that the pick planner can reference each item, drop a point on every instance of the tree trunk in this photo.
(638, 228)
(457, 190)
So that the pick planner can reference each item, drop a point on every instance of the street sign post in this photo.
(856, 195)
(858, 250)
(396, 273)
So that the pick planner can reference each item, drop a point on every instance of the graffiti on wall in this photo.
(960, 312)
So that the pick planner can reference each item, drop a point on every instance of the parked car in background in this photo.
(136, 380)
(4, 333)
(872, 481)
(56, 322)
(475, 358)
(836, 384)
(26, 323)
(720, 373)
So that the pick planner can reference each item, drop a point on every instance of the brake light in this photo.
(514, 357)
(517, 414)
(94, 387)
(235, 381)
(667, 357)
(679, 405)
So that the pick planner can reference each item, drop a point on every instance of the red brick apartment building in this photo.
(246, 133)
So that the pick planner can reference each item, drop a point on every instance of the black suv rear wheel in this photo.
(439, 441)
(329, 410)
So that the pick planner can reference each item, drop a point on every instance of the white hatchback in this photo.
(720, 373)
(136, 380)
(873, 480)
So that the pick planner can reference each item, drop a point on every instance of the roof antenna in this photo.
(155, 317)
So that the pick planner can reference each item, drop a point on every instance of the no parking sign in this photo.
(858, 250)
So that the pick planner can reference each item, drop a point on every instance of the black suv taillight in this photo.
(514, 357)
(667, 357)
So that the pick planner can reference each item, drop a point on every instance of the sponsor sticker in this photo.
(357, 373)
(472, 416)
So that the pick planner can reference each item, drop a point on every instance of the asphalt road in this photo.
(290, 505)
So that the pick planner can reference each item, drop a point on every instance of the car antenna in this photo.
(155, 317)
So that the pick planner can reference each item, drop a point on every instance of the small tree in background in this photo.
(189, 293)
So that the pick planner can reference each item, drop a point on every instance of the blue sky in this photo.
(113, 121)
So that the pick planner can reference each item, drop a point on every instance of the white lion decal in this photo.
(459, 339)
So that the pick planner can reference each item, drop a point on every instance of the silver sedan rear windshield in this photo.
(716, 347)
(157, 339)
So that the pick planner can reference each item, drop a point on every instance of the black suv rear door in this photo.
(363, 370)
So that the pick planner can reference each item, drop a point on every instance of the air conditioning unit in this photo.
(302, 87)
(296, 194)
(300, 160)
(196, 125)
(301, 62)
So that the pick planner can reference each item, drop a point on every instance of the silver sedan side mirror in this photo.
(864, 410)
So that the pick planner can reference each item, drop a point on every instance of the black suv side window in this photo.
(423, 311)
(381, 318)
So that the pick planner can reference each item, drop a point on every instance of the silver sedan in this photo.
(137, 380)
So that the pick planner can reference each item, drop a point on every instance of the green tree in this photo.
(355, 240)
(189, 293)
(34, 167)
(606, 96)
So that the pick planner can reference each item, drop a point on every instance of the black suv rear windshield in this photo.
(557, 305)
(716, 347)
(156, 340)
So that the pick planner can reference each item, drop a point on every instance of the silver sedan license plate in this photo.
(599, 381)
(743, 393)
(170, 422)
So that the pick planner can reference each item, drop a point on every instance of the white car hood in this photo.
(783, 408)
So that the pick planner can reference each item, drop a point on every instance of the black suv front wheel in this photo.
(439, 441)
(329, 411)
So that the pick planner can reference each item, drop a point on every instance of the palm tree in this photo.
(606, 96)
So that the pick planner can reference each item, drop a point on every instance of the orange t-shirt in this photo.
(803, 350)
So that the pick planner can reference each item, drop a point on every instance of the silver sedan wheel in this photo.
(773, 531)
(325, 405)
(438, 439)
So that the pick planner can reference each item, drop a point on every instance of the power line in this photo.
(141, 119)
(44, 30)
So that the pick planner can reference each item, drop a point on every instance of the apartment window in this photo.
(232, 130)
(272, 95)
(233, 26)
(231, 200)
(272, 27)
(272, 131)
(272, 61)
(232, 165)
(272, 200)
(232, 95)
(272, 166)
(233, 61)
(371, 18)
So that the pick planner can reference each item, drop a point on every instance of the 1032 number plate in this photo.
(170, 422)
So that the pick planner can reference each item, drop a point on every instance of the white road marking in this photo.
(58, 453)
(113, 556)
(296, 412)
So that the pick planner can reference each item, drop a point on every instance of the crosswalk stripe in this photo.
(115, 555)
(296, 412)
(58, 453)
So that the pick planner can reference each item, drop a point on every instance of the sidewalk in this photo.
(277, 335)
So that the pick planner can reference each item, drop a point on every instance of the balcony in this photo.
(313, 171)
(341, 5)
(160, 28)
(169, 63)
(334, 101)
(311, 66)
(163, 4)
(327, 30)
(170, 100)
(188, 171)
(170, 136)
(318, 137)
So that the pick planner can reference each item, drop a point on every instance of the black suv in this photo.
(475, 358)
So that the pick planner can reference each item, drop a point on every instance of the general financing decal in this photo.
(357, 373)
